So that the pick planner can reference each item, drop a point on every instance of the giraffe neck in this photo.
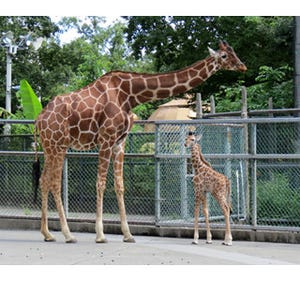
(137, 88)
(197, 161)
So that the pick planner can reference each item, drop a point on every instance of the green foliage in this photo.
(275, 83)
(148, 147)
(144, 110)
(229, 98)
(29, 108)
(30, 103)
(4, 113)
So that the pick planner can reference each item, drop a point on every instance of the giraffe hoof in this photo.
(129, 240)
(50, 239)
(101, 241)
(195, 242)
(229, 243)
(71, 240)
(208, 242)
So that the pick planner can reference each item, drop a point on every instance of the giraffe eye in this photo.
(224, 56)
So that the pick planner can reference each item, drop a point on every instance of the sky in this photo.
(153, 7)
(72, 34)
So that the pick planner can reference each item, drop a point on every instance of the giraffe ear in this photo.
(212, 52)
(198, 138)
(223, 45)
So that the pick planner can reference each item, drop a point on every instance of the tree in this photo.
(152, 44)
(59, 68)
(176, 42)
(271, 82)
(26, 62)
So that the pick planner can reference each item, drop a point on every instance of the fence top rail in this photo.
(238, 156)
(16, 121)
(253, 112)
(231, 121)
(191, 122)
(235, 156)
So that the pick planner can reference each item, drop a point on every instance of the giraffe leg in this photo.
(228, 236)
(48, 237)
(44, 183)
(100, 237)
(56, 192)
(205, 212)
(104, 159)
(63, 222)
(196, 217)
(51, 181)
(118, 158)
(226, 211)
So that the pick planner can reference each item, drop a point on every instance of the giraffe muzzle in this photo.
(242, 67)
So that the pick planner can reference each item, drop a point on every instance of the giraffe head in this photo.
(227, 58)
(191, 139)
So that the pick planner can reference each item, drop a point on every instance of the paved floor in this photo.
(18, 247)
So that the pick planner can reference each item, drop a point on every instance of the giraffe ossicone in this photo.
(99, 115)
(205, 180)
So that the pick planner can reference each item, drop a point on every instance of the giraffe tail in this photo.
(36, 170)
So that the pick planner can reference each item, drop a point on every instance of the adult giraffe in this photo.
(100, 115)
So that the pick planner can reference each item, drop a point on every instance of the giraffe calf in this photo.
(206, 179)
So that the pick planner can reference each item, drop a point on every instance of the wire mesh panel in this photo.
(139, 189)
(277, 188)
(278, 138)
(278, 193)
(17, 194)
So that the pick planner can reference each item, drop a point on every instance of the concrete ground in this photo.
(26, 247)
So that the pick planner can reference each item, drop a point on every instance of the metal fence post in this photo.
(65, 187)
(253, 174)
(157, 175)
(228, 152)
(183, 183)
(245, 138)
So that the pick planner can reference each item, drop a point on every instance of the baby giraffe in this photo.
(206, 179)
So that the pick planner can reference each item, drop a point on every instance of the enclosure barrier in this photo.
(260, 156)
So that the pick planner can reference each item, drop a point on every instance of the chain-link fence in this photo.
(261, 157)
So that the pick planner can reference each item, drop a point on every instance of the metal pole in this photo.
(297, 77)
(244, 111)
(8, 89)
(65, 187)
(199, 110)
(212, 105)
(183, 184)
(228, 145)
(297, 62)
(245, 137)
(254, 175)
(8, 82)
(157, 176)
(237, 193)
